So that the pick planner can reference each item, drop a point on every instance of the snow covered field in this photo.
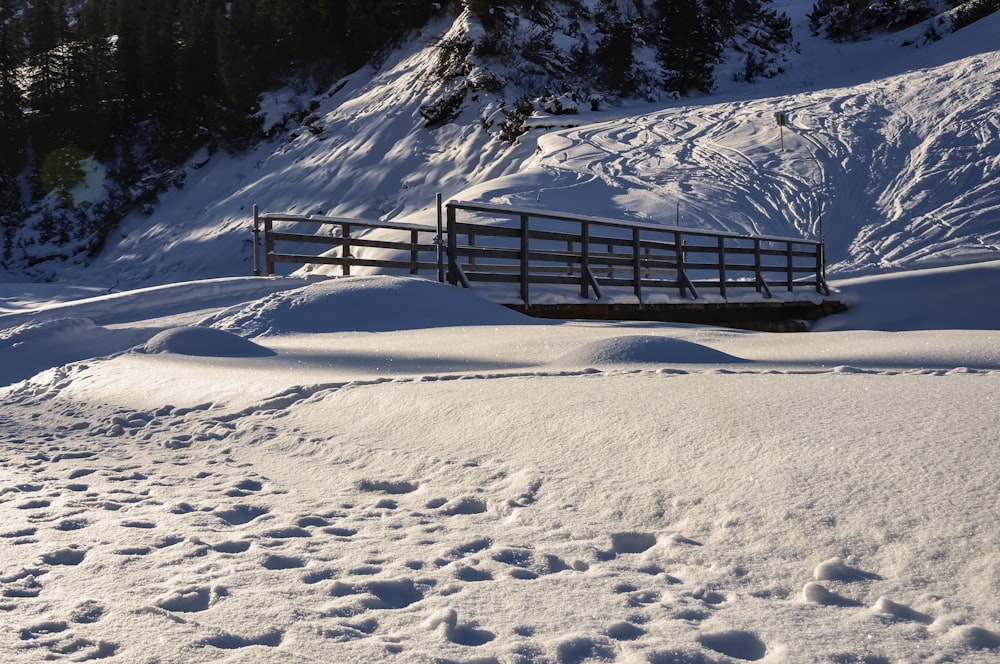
(467, 485)
(203, 466)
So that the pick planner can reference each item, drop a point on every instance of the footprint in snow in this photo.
(382, 594)
(529, 564)
(815, 593)
(317, 575)
(133, 551)
(189, 600)
(365, 570)
(585, 649)
(279, 562)
(736, 644)
(72, 555)
(835, 569)
(53, 637)
(642, 598)
(632, 542)
(464, 506)
(887, 608)
(628, 542)
(241, 514)
(286, 532)
(244, 488)
(472, 574)
(270, 638)
(445, 622)
(474, 546)
(393, 487)
(232, 546)
(625, 631)
(87, 611)
(20, 535)
(45, 630)
(311, 521)
(350, 630)
(34, 504)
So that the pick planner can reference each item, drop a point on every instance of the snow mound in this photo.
(645, 349)
(60, 329)
(365, 304)
(41, 344)
(948, 297)
(204, 341)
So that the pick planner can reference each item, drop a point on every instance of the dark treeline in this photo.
(141, 84)
(104, 75)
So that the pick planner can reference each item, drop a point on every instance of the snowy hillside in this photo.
(891, 151)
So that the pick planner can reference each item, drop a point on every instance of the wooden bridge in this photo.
(559, 265)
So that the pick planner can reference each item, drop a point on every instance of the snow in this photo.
(202, 466)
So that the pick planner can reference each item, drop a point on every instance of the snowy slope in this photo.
(891, 152)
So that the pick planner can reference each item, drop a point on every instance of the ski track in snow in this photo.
(194, 518)
(884, 188)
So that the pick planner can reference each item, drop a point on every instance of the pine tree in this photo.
(89, 90)
(11, 99)
(47, 30)
(689, 41)
(198, 94)
(245, 45)
(614, 52)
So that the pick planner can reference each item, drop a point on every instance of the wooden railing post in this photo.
(722, 267)
(345, 244)
(524, 260)
(678, 249)
(256, 240)
(452, 247)
(760, 282)
(821, 267)
(268, 247)
(759, 276)
(636, 267)
(790, 270)
(439, 241)
(414, 253)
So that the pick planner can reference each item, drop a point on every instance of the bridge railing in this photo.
(531, 247)
(527, 251)
(291, 238)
